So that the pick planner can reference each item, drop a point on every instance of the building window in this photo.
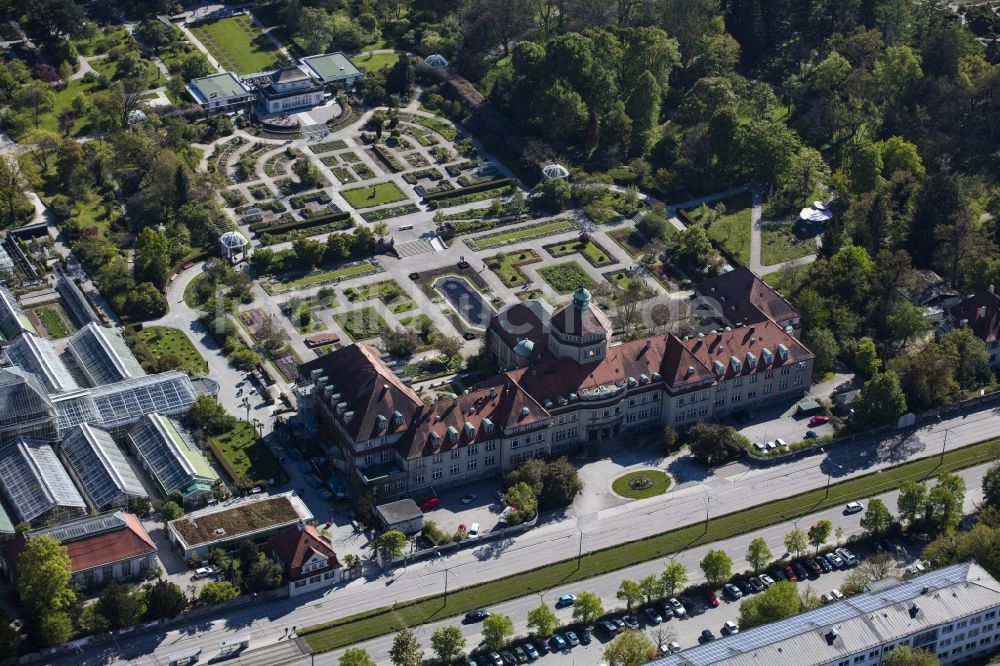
(752, 393)
(680, 401)
(127, 568)
(767, 389)
(737, 397)
(783, 384)
(456, 454)
(473, 450)
(418, 479)
(385, 456)
(454, 470)
(490, 461)
(769, 374)
(785, 370)
(471, 464)
(753, 379)
(656, 395)
(437, 473)
(438, 459)
(300, 583)
(370, 459)
(631, 402)
(108, 573)
(540, 437)
(491, 446)
(420, 462)
(515, 443)
(738, 381)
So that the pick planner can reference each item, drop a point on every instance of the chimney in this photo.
(990, 289)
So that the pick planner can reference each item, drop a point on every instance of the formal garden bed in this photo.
(363, 170)
(386, 213)
(445, 129)
(319, 276)
(387, 291)
(728, 224)
(160, 346)
(630, 240)
(51, 320)
(641, 484)
(508, 266)
(596, 255)
(567, 277)
(328, 146)
(529, 232)
(377, 194)
(363, 324)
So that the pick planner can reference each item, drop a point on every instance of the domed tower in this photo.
(523, 351)
(579, 330)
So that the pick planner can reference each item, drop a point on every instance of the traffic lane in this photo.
(687, 630)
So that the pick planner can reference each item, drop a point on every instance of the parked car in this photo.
(832, 595)
(819, 419)
(572, 638)
(619, 623)
(824, 564)
(585, 637)
(732, 591)
(652, 617)
(744, 585)
(922, 537)
(557, 642)
(477, 615)
(520, 655)
(473, 531)
(790, 574)
(541, 645)
(812, 434)
(706, 636)
(835, 560)
(854, 507)
(428, 504)
(848, 557)
(766, 580)
(756, 584)
(800, 570)
(565, 600)
(608, 627)
(730, 628)
(496, 659)
(780, 442)
(469, 499)
(814, 568)
(772, 445)
(710, 598)
(204, 572)
(530, 651)
(677, 607)
(630, 621)
(508, 658)
(673, 647)
(778, 575)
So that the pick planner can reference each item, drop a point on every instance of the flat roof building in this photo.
(100, 467)
(36, 355)
(35, 484)
(951, 612)
(332, 68)
(13, 321)
(172, 459)
(256, 518)
(103, 355)
(220, 92)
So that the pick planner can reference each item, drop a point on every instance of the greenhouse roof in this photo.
(37, 356)
(34, 481)
(13, 321)
(100, 465)
(169, 454)
(103, 355)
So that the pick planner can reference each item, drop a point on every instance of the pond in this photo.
(468, 302)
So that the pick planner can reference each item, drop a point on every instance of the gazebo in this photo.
(135, 117)
(251, 215)
(551, 171)
(436, 61)
(231, 243)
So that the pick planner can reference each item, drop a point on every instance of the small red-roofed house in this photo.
(307, 558)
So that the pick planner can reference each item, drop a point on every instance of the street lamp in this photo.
(829, 475)
(945, 442)
(246, 405)
(446, 571)
(708, 501)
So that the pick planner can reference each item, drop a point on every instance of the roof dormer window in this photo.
(397, 419)
(452, 434)
(470, 430)
(720, 368)
(736, 363)
(751, 360)
(766, 356)
(487, 425)
(381, 423)
(783, 352)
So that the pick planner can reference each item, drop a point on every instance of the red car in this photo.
(790, 573)
(710, 597)
(428, 504)
(819, 419)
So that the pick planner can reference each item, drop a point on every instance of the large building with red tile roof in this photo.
(307, 559)
(102, 548)
(741, 298)
(980, 313)
(562, 383)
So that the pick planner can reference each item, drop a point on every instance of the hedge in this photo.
(472, 189)
(271, 228)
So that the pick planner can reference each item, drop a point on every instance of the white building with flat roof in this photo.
(951, 612)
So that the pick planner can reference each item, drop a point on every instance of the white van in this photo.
(474, 530)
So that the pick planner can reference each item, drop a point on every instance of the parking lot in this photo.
(784, 424)
(468, 505)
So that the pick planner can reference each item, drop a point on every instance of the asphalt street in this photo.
(719, 491)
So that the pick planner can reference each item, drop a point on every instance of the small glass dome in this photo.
(551, 171)
(581, 298)
(232, 240)
(524, 348)
(135, 117)
(436, 61)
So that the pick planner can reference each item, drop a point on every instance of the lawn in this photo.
(508, 266)
(629, 240)
(591, 251)
(780, 243)
(246, 457)
(732, 229)
(377, 194)
(54, 322)
(387, 291)
(371, 62)
(567, 277)
(628, 485)
(363, 324)
(238, 45)
(191, 296)
(370, 624)
(163, 340)
(341, 273)
(786, 279)
(523, 233)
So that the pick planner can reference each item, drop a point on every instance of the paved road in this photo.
(724, 490)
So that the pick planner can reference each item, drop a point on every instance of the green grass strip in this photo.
(380, 621)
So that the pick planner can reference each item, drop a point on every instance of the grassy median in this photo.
(370, 624)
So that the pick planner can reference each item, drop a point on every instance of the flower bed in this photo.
(288, 366)
(318, 196)
(447, 130)
(529, 232)
(430, 173)
(261, 191)
(328, 146)
(343, 174)
(384, 155)
(416, 160)
(386, 213)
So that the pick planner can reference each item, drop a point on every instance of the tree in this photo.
(911, 501)
(673, 579)
(881, 400)
(650, 588)
(210, 417)
(13, 182)
(711, 443)
(820, 533)
(400, 78)
(449, 346)
(796, 541)
(497, 630)
(643, 107)
(629, 592)
(669, 439)
(263, 574)
(390, 544)
(855, 581)
(44, 577)
(356, 657)
(779, 601)
(152, 257)
(904, 655)
(877, 518)
(448, 643)
(630, 648)
(758, 554)
(10, 638)
(944, 505)
(119, 605)
(878, 567)
(217, 592)
(866, 357)
(164, 600)
(522, 496)
(125, 96)
(807, 172)
(991, 486)
(35, 96)
(55, 628)
(587, 608)
(560, 484)
(405, 650)
(824, 345)
(170, 510)
(718, 567)
(905, 323)
(400, 342)
(543, 620)
(307, 172)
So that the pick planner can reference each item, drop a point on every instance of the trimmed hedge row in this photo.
(271, 228)
(472, 189)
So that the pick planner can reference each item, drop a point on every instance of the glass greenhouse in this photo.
(13, 321)
(35, 483)
(101, 467)
(103, 355)
(170, 456)
(37, 356)
(25, 408)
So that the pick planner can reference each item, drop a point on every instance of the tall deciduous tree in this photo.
(880, 402)
(717, 566)
(904, 655)
(820, 533)
(630, 648)
(674, 578)
(448, 643)
(405, 650)
(758, 554)
(877, 518)
(587, 608)
(44, 577)
(643, 107)
(356, 657)
(152, 257)
(796, 541)
(497, 630)
(542, 620)
(629, 593)
(779, 601)
(911, 501)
